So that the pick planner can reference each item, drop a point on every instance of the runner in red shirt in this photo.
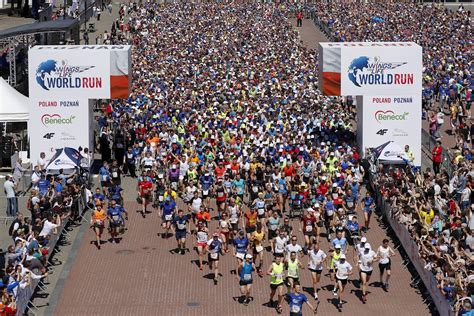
(308, 223)
(145, 189)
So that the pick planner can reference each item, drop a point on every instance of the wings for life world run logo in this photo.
(52, 74)
(365, 70)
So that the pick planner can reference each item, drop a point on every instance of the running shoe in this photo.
(315, 295)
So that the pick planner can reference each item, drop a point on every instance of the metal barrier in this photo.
(411, 249)
(24, 299)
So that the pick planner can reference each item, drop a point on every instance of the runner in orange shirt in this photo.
(251, 224)
(98, 223)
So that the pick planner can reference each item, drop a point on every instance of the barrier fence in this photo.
(412, 251)
(25, 295)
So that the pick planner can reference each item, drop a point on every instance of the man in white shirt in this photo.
(315, 264)
(293, 247)
(35, 177)
(49, 227)
(10, 191)
(343, 271)
(279, 244)
(41, 163)
(366, 261)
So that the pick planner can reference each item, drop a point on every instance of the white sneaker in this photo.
(315, 296)
(334, 293)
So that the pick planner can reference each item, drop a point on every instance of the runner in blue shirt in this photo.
(116, 219)
(181, 226)
(368, 206)
(296, 301)
(97, 197)
(167, 213)
(245, 270)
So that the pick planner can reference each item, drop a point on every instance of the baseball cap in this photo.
(248, 256)
(343, 256)
(363, 239)
(337, 246)
(367, 246)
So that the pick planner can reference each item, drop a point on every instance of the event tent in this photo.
(390, 153)
(67, 158)
(13, 104)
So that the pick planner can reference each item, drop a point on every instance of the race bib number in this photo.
(273, 227)
(295, 309)
(104, 177)
(160, 176)
(181, 226)
(115, 174)
(247, 277)
(181, 178)
(261, 211)
(168, 217)
(205, 192)
(255, 189)
(160, 198)
(214, 255)
(116, 218)
(350, 204)
(309, 228)
(259, 248)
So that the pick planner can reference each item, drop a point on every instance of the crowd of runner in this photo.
(236, 150)
(435, 205)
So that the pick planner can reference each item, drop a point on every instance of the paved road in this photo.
(140, 276)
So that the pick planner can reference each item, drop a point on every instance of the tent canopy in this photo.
(66, 158)
(13, 104)
(61, 25)
(390, 153)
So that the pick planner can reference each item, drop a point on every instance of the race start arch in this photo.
(63, 81)
(386, 79)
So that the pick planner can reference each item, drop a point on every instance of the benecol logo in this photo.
(390, 115)
(56, 119)
(52, 74)
(365, 70)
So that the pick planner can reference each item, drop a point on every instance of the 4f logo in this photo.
(382, 131)
(48, 135)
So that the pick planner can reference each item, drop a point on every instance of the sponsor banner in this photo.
(62, 80)
(390, 118)
(372, 70)
(369, 68)
(57, 124)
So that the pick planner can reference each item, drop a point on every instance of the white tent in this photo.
(390, 153)
(65, 158)
(13, 104)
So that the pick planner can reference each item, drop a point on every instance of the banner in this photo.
(62, 80)
(389, 118)
(365, 68)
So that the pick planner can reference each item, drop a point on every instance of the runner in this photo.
(308, 224)
(98, 223)
(181, 226)
(343, 271)
(293, 266)
(235, 215)
(145, 189)
(385, 252)
(368, 207)
(367, 258)
(224, 231)
(251, 222)
(256, 239)
(241, 246)
(296, 300)
(273, 225)
(116, 219)
(214, 248)
(280, 243)
(275, 271)
(293, 246)
(317, 258)
(201, 242)
(246, 267)
(168, 209)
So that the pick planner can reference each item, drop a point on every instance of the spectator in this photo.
(10, 191)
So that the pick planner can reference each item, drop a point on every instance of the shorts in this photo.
(113, 224)
(318, 272)
(250, 229)
(311, 233)
(272, 234)
(210, 259)
(261, 216)
(180, 234)
(369, 273)
(293, 278)
(104, 183)
(98, 225)
(385, 266)
(235, 226)
(368, 211)
(201, 244)
(343, 281)
(275, 286)
(245, 282)
(277, 254)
